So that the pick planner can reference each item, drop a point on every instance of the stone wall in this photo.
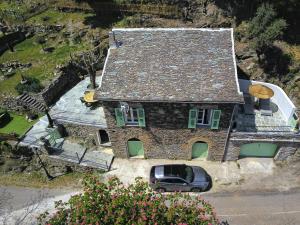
(89, 133)
(10, 103)
(166, 134)
(67, 79)
(57, 166)
(287, 143)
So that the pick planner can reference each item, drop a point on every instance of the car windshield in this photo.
(189, 174)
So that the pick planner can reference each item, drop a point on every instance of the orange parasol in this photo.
(260, 91)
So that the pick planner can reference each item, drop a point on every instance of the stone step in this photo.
(31, 102)
(24, 95)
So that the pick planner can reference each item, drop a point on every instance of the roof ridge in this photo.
(172, 29)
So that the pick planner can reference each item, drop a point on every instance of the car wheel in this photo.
(160, 190)
(196, 189)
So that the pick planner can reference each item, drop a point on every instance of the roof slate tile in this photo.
(176, 65)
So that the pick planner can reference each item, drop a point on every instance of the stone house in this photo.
(174, 93)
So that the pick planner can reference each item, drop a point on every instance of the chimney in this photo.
(112, 40)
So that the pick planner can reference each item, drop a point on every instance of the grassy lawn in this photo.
(18, 125)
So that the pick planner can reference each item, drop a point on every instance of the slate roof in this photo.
(170, 64)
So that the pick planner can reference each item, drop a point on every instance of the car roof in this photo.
(163, 171)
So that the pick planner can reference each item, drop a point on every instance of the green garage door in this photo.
(135, 148)
(199, 150)
(267, 150)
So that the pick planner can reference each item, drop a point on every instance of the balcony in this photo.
(281, 116)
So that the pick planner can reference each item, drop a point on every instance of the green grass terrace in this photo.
(18, 124)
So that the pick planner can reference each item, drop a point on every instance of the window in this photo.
(131, 117)
(204, 116)
(134, 117)
(173, 181)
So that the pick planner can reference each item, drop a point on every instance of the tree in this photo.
(88, 61)
(114, 203)
(265, 28)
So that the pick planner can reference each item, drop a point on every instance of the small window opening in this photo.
(103, 136)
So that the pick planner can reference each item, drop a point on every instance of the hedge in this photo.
(115, 203)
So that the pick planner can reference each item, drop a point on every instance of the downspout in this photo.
(228, 133)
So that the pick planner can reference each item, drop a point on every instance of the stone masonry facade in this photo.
(166, 134)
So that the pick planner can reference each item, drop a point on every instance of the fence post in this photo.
(78, 158)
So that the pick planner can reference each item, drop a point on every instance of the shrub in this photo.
(114, 203)
(32, 85)
(5, 147)
(40, 40)
(4, 118)
(46, 18)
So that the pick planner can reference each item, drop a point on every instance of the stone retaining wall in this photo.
(67, 79)
(166, 134)
(57, 166)
(89, 133)
(10, 103)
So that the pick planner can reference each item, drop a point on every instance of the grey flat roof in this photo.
(70, 109)
(171, 64)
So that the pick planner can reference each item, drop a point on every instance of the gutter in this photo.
(266, 140)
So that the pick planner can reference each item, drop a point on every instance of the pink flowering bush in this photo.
(136, 204)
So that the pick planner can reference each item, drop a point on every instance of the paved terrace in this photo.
(259, 123)
(70, 109)
(250, 119)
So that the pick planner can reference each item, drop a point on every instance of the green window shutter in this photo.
(119, 117)
(192, 118)
(141, 117)
(216, 115)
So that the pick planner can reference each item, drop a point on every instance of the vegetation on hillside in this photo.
(265, 28)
